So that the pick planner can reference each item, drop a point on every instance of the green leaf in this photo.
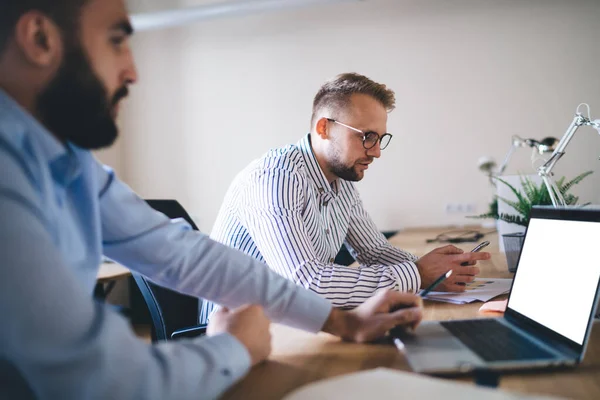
(518, 194)
(534, 195)
(513, 219)
(565, 188)
(520, 207)
(529, 188)
(483, 216)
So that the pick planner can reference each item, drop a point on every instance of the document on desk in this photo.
(384, 383)
(481, 289)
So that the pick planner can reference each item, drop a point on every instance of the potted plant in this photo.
(532, 194)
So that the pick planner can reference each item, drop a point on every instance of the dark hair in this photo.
(336, 92)
(65, 13)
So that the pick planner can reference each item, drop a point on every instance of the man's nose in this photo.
(375, 151)
(129, 75)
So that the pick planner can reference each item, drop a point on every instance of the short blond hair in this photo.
(336, 92)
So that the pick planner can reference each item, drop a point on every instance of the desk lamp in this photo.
(488, 165)
(545, 170)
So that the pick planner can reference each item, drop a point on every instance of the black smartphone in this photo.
(476, 249)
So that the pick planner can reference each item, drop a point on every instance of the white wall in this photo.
(468, 74)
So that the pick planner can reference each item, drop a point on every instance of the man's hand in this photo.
(249, 325)
(376, 316)
(439, 261)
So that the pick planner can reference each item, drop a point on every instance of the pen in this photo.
(425, 291)
(399, 345)
(476, 249)
(439, 280)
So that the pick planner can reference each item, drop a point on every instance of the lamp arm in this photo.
(545, 170)
(507, 158)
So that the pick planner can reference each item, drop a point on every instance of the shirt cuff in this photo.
(407, 276)
(308, 311)
(234, 358)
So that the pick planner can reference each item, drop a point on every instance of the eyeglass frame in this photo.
(365, 134)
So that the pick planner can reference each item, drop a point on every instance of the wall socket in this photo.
(460, 208)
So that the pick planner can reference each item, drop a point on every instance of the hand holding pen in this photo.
(440, 260)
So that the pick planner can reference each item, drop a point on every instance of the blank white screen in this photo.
(558, 275)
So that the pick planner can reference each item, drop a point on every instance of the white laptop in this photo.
(550, 309)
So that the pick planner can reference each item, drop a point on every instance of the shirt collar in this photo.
(314, 170)
(20, 126)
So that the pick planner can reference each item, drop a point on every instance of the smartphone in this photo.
(476, 249)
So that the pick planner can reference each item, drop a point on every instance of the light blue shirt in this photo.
(60, 210)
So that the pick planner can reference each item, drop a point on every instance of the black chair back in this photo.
(171, 312)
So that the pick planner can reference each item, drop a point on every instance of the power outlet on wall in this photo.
(460, 208)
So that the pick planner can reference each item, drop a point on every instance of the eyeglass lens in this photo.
(371, 139)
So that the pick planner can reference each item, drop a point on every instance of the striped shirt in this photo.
(282, 211)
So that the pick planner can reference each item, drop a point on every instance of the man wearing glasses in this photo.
(65, 65)
(294, 207)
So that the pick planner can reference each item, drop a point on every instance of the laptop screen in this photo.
(558, 273)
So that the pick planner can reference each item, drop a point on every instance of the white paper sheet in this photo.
(383, 384)
(481, 289)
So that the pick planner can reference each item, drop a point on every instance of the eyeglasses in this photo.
(370, 138)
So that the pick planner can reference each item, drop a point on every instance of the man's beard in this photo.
(339, 169)
(75, 105)
(343, 171)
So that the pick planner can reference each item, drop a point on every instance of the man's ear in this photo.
(39, 39)
(322, 128)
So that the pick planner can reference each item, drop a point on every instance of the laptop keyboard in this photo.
(493, 341)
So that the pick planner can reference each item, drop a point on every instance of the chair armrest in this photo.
(194, 331)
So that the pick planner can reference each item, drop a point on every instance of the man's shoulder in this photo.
(13, 136)
(287, 159)
(17, 155)
(20, 179)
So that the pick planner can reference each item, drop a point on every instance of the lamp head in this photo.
(547, 145)
(486, 164)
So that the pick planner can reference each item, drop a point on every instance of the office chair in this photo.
(344, 257)
(173, 315)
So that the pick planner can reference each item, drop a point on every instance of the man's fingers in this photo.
(471, 257)
(464, 278)
(396, 299)
(449, 249)
(466, 271)
(407, 316)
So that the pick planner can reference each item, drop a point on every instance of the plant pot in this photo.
(505, 192)
(513, 242)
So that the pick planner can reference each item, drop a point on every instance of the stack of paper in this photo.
(481, 289)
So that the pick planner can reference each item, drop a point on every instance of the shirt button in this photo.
(331, 260)
(327, 231)
(226, 372)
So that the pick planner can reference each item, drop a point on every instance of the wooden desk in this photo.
(111, 271)
(299, 358)
(107, 277)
